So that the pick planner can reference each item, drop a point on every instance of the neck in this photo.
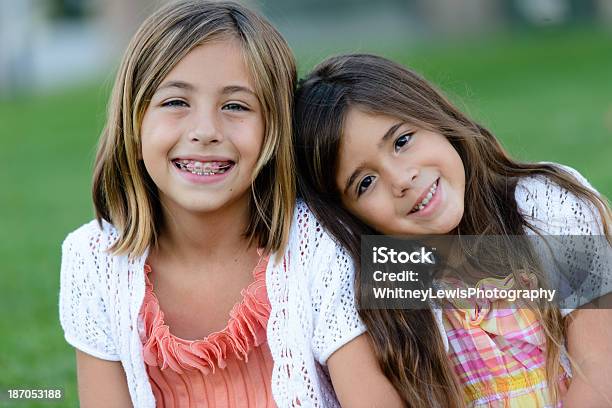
(193, 237)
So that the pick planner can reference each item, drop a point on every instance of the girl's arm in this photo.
(589, 342)
(102, 383)
(84, 315)
(358, 379)
(339, 339)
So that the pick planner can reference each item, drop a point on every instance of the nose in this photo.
(403, 180)
(205, 130)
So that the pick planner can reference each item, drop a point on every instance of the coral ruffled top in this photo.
(229, 368)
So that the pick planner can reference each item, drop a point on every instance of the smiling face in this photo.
(203, 130)
(397, 178)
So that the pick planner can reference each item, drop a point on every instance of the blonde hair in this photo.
(123, 192)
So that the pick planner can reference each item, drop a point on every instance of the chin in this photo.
(203, 205)
(439, 226)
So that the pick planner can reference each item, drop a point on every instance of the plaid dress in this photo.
(497, 349)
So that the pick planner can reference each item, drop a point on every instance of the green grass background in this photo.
(546, 94)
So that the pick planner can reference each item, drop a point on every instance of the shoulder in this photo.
(85, 255)
(86, 288)
(317, 258)
(93, 235)
(310, 242)
(554, 210)
(330, 278)
(303, 217)
(307, 230)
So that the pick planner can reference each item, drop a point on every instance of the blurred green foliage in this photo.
(547, 96)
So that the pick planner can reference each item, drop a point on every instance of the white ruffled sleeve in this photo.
(336, 320)
(82, 303)
(555, 211)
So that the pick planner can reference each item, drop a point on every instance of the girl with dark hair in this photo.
(380, 151)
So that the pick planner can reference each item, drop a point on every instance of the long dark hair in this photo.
(407, 343)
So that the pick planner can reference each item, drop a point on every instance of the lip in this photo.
(201, 158)
(196, 179)
(424, 193)
(433, 203)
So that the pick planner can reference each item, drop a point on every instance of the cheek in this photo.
(150, 130)
(250, 150)
(372, 211)
(454, 160)
(150, 148)
(155, 148)
(249, 137)
(144, 137)
(459, 170)
(258, 139)
(146, 145)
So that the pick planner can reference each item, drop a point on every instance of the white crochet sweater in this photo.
(311, 292)
(555, 211)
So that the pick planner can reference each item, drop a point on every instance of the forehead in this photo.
(359, 124)
(218, 60)
(362, 134)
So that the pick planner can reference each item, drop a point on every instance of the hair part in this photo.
(123, 192)
(407, 343)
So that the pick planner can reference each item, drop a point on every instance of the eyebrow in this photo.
(351, 179)
(189, 87)
(388, 134)
(237, 88)
(176, 84)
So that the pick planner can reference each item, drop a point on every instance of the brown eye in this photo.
(364, 185)
(235, 107)
(175, 103)
(402, 141)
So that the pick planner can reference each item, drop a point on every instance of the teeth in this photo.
(427, 198)
(203, 168)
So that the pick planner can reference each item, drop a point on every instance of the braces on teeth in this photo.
(427, 198)
(198, 170)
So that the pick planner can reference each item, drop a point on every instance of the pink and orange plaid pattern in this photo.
(498, 350)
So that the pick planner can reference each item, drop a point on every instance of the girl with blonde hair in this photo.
(201, 283)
